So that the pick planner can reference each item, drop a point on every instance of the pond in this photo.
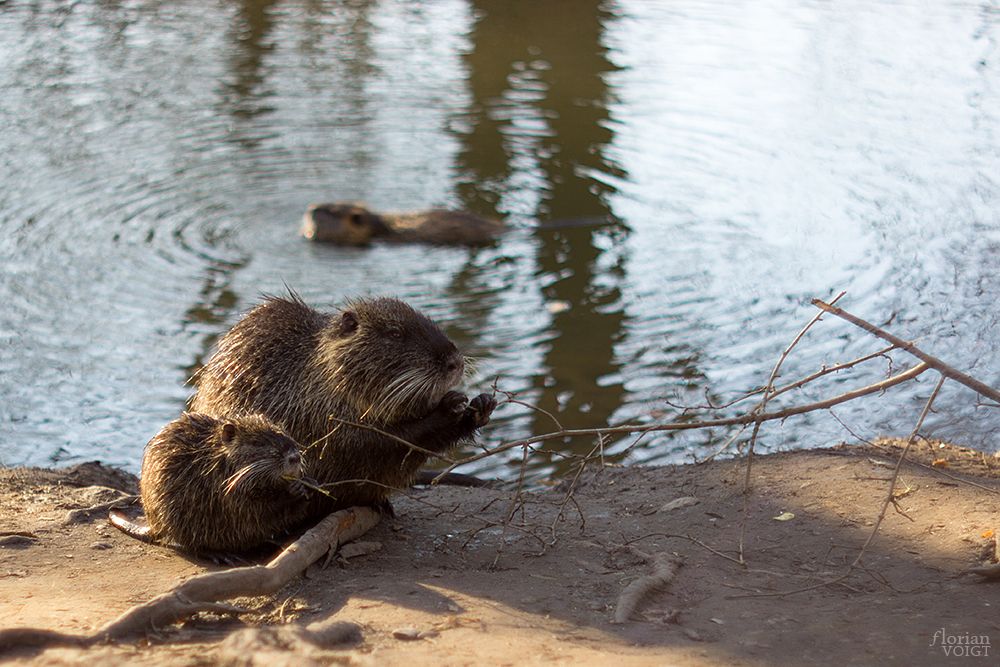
(680, 179)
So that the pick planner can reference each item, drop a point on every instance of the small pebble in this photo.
(332, 634)
(407, 634)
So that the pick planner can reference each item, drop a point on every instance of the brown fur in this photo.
(353, 224)
(378, 362)
(221, 486)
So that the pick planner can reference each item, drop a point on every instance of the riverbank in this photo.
(434, 587)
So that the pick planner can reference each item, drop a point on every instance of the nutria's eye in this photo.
(396, 333)
(356, 219)
(228, 432)
(348, 323)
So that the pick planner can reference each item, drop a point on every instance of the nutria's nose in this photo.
(453, 361)
(293, 459)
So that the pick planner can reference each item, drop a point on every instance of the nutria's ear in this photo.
(348, 323)
(228, 432)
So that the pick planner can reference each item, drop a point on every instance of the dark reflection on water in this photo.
(246, 95)
(680, 178)
(538, 129)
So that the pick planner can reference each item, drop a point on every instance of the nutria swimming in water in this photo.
(347, 387)
(219, 487)
(353, 224)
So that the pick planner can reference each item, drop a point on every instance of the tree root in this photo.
(665, 567)
(987, 572)
(204, 592)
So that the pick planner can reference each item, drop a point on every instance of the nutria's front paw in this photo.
(298, 490)
(453, 403)
(479, 410)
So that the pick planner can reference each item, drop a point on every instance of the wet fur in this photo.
(378, 362)
(221, 486)
(351, 224)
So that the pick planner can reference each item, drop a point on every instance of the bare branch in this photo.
(895, 473)
(933, 362)
(899, 378)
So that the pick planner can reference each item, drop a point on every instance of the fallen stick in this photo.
(207, 590)
(933, 362)
(665, 567)
(784, 413)
(987, 572)
(204, 592)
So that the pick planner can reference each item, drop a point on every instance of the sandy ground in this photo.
(445, 584)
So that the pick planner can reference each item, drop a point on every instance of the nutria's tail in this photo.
(428, 477)
(129, 527)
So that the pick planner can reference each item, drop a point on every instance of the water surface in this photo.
(742, 158)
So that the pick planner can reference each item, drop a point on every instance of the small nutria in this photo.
(353, 224)
(378, 363)
(220, 487)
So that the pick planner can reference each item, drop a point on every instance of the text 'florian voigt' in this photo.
(975, 646)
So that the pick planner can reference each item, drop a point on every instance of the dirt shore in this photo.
(445, 584)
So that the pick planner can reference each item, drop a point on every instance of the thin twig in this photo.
(369, 427)
(900, 378)
(933, 362)
(832, 369)
(724, 447)
(514, 503)
(856, 565)
(690, 539)
(759, 408)
(938, 471)
(895, 472)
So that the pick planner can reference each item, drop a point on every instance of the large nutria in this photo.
(220, 487)
(351, 387)
(353, 224)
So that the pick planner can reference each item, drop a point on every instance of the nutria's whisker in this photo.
(231, 483)
(376, 363)
(388, 400)
(250, 474)
(403, 392)
(470, 370)
(193, 499)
